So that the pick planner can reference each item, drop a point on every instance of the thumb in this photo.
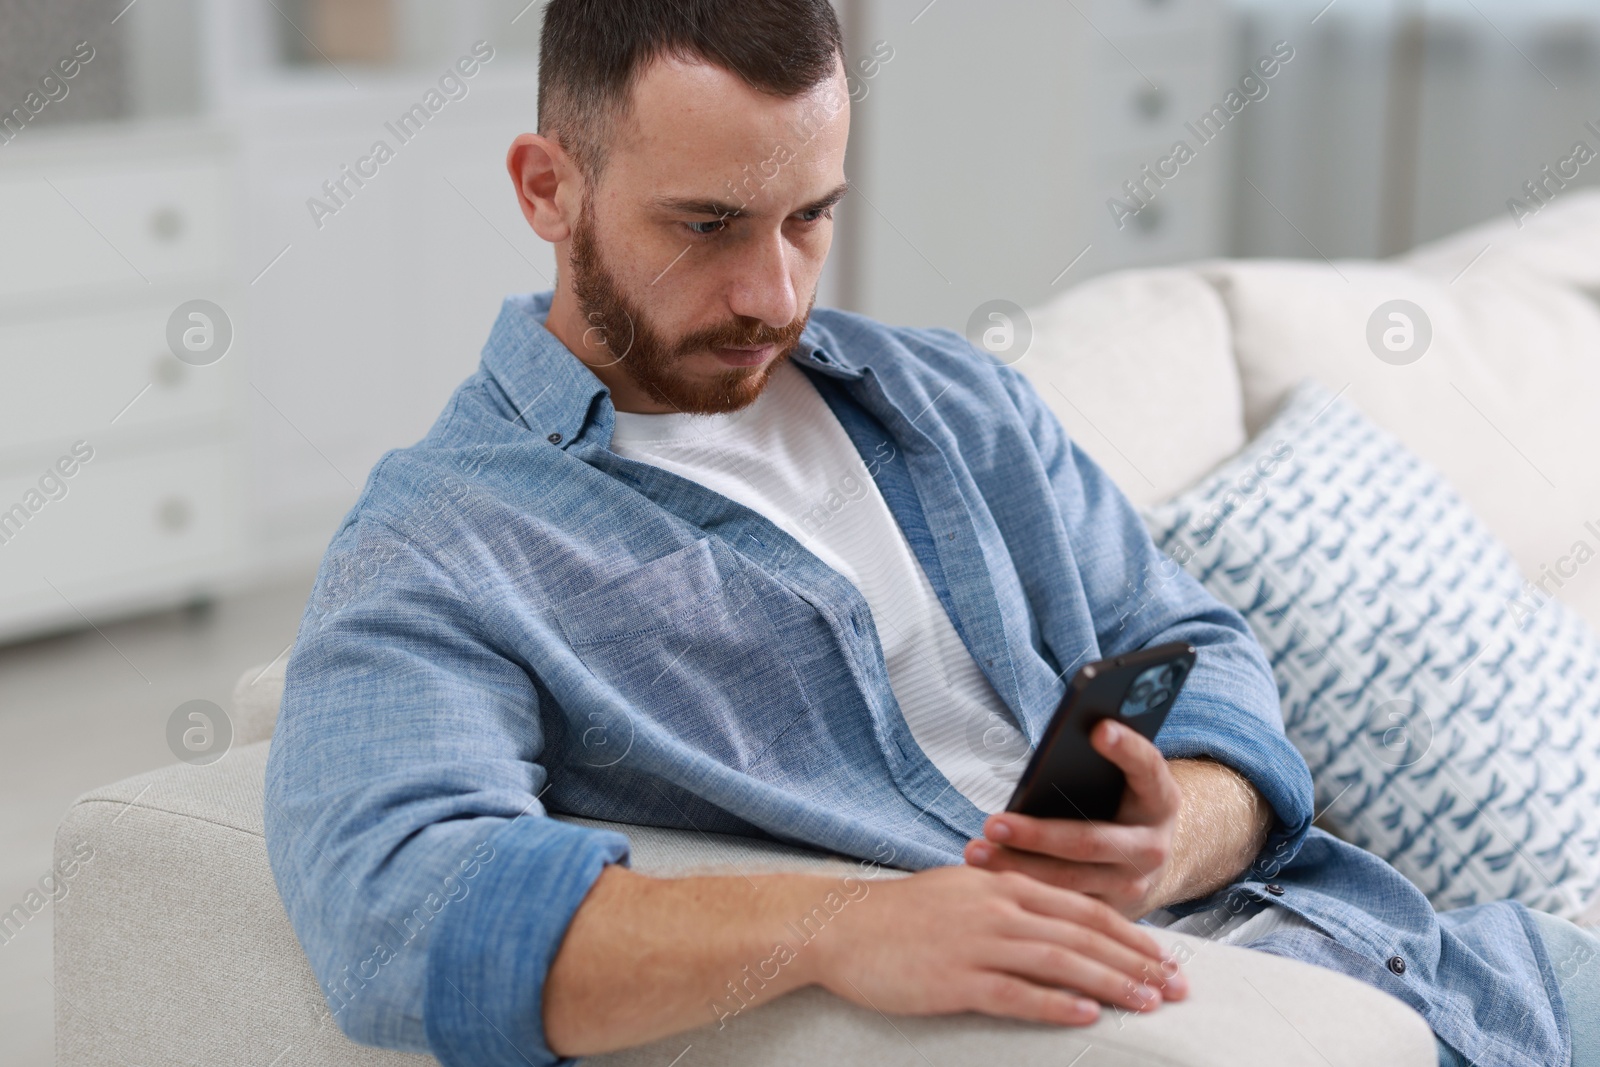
(1152, 794)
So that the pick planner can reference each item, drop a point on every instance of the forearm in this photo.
(1222, 826)
(647, 957)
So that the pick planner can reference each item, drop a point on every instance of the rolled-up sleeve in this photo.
(425, 881)
(1138, 597)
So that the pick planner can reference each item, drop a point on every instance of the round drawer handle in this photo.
(167, 371)
(174, 514)
(1150, 101)
(1150, 218)
(166, 223)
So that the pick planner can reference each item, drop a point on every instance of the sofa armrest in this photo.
(171, 946)
(256, 696)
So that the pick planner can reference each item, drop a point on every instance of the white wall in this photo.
(367, 323)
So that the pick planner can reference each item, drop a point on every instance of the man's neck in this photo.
(586, 342)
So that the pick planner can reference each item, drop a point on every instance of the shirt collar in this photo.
(558, 398)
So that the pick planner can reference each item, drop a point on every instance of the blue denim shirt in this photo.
(513, 620)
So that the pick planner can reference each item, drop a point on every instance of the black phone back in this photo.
(1066, 778)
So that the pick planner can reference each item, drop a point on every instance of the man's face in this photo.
(696, 257)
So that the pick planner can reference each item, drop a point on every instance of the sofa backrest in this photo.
(1140, 369)
(256, 696)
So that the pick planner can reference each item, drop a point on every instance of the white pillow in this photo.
(1448, 731)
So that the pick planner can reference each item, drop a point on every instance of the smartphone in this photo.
(1066, 778)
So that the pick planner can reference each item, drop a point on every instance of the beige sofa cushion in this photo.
(1560, 244)
(1139, 368)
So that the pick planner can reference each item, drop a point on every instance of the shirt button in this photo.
(1275, 889)
(1397, 965)
(554, 439)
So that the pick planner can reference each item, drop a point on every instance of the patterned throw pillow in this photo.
(1450, 713)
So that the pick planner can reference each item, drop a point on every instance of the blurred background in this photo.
(221, 302)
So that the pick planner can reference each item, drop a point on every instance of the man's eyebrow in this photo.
(695, 206)
(689, 205)
(832, 198)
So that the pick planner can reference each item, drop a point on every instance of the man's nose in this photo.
(763, 288)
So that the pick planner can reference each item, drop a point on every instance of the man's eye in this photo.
(706, 229)
(815, 214)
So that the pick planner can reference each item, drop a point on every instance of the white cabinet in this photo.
(986, 150)
(120, 464)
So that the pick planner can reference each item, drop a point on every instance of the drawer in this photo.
(1185, 220)
(1133, 109)
(80, 228)
(123, 528)
(63, 379)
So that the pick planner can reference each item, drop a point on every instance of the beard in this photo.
(651, 359)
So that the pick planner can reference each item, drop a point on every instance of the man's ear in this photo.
(549, 187)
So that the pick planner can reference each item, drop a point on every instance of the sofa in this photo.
(174, 948)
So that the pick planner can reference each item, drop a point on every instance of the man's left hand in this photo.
(1126, 862)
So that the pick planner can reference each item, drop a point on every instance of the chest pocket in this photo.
(688, 643)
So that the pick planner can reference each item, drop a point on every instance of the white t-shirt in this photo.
(787, 457)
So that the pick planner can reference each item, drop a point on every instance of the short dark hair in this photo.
(591, 53)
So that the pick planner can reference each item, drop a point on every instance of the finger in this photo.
(1079, 840)
(1118, 884)
(1010, 997)
(1048, 900)
(1141, 969)
(1141, 762)
(1049, 962)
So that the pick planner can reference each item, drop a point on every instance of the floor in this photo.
(83, 709)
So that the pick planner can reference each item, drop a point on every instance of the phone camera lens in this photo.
(1152, 689)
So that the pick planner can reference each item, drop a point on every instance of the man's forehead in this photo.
(689, 121)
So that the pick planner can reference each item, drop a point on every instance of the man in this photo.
(686, 553)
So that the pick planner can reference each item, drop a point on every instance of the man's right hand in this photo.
(647, 957)
(964, 939)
